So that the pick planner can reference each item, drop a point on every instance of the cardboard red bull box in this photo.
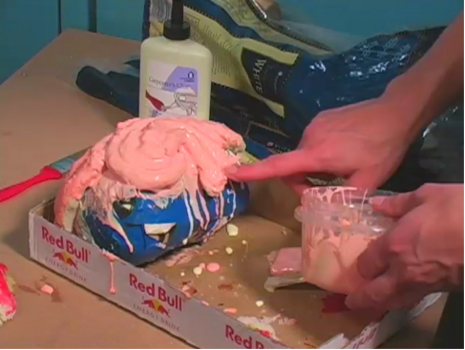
(229, 308)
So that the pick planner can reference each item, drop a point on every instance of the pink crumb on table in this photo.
(47, 289)
(213, 267)
(230, 310)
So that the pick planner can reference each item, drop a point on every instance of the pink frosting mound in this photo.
(165, 156)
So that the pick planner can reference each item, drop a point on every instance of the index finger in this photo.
(397, 205)
(277, 166)
(373, 295)
(374, 260)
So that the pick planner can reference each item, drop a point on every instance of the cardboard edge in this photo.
(371, 336)
(32, 213)
(213, 316)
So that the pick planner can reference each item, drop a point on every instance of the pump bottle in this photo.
(175, 72)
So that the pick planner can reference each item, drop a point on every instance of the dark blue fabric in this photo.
(311, 85)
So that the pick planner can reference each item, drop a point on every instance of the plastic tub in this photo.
(338, 223)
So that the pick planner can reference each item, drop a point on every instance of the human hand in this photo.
(363, 143)
(422, 254)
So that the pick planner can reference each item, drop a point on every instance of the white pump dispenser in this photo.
(175, 72)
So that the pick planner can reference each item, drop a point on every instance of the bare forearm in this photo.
(434, 82)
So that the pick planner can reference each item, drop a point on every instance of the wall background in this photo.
(26, 26)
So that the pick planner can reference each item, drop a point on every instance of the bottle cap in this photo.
(176, 28)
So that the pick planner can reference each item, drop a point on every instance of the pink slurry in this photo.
(328, 257)
(166, 156)
(329, 262)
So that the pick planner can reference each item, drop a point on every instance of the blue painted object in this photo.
(139, 217)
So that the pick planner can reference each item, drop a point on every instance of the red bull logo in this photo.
(156, 294)
(368, 335)
(70, 253)
(65, 258)
(245, 342)
(156, 306)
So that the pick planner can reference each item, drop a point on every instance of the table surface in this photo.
(44, 117)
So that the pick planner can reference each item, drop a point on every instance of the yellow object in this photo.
(232, 230)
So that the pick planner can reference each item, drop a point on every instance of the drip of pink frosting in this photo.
(166, 156)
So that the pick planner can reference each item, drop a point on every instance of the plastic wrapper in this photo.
(274, 71)
(155, 230)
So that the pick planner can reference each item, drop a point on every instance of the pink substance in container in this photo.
(337, 225)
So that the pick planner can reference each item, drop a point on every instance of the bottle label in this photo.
(171, 89)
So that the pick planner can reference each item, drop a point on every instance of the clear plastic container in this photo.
(338, 223)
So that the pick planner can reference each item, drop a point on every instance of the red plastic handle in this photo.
(46, 174)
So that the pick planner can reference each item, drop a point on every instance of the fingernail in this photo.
(377, 201)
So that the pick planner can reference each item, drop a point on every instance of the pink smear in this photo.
(7, 299)
(182, 257)
(288, 261)
(230, 310)
(188, 289)
(334, 303)
(213, 267)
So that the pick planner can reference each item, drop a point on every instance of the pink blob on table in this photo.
(213, 267)
(47, 289)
